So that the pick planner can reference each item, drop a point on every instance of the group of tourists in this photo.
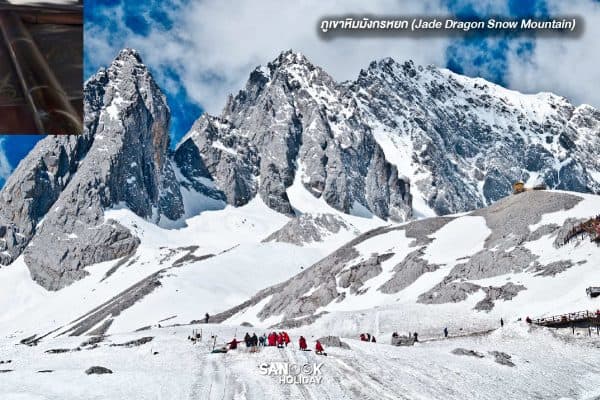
(279, 339)
(414, 336)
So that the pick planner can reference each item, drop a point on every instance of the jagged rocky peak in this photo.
(135, 118)
(467, 140)
(55, 202)
(32, 189)
(293, 123)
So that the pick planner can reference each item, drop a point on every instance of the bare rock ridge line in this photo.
(309, 228)
(281, 128)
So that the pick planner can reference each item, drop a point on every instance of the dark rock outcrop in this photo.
(98, 370)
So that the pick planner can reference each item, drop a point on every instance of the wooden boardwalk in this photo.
(564, 320)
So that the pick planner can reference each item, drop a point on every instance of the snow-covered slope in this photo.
(505, 260)
(279, 213)
(214, 262)
(169, 366)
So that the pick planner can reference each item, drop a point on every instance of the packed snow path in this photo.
(170, 366)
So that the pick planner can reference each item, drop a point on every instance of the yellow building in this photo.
(518, 187)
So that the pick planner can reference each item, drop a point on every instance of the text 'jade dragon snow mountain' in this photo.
(460, 142)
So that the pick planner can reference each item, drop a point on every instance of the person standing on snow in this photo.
(501, 323)
(247, 340)
(446, 332)
(254, 340)
(319, 348)
(302, 343)
(206, 317)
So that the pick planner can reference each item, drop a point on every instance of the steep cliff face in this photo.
(464, 141)
(291, 123)
(33, 187)
(399, 132)
(54, 202)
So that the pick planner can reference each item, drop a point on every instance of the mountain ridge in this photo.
(400, 139)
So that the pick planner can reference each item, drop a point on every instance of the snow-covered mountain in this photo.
(459, 142)
(504, 260)
(301, 205)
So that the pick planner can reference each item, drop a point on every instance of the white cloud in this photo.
(568, 67)
(5, 168)
(214, 45)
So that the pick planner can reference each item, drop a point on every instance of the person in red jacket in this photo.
(233, 344)
(271, 339)
(280, 340)
(319, 348)
(286, 338)
(302, 343)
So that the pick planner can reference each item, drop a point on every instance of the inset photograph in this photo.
(41, 67)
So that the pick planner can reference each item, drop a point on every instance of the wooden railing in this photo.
(578, 316)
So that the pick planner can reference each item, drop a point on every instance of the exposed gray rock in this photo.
(33, 188)
(103, 313)
(333, 341)
(57, 351)
(464, 160)
(134, 343)
(121, 159)
(509, 220)
(408, 271)
(355, 276)
(563, 231)
(453, 292)
(290, 114)
(92, 341)
(98, 370)
(465, 352)
(502, 358)
(420, 230)
(492, 293)
(308, 228)
(191, 258)
(345, 271)
(555, 268)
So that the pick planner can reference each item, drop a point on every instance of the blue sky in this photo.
(202, 51)
(12, 149)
